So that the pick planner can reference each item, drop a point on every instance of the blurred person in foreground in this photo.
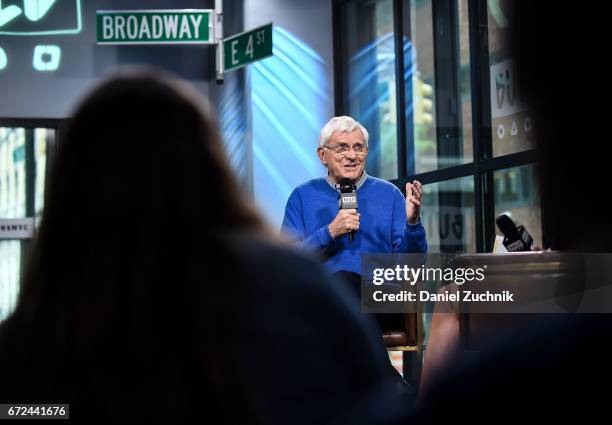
(556, 370)
(154, 292)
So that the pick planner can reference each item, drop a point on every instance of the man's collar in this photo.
(336, 186)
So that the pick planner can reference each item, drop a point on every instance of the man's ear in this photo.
(321, 154)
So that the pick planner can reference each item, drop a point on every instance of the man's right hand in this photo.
(346, 221)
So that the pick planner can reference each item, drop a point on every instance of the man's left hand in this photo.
(414, 192)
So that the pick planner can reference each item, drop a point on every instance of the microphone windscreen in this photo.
(505, 224)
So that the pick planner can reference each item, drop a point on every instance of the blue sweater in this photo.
(382, 224)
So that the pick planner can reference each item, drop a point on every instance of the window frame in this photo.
(444, 15)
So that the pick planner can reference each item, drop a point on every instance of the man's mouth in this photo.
(350, 166)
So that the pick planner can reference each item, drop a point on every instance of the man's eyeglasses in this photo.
(343, 149)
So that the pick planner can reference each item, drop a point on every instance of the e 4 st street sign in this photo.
(190, 26)
(250, 46)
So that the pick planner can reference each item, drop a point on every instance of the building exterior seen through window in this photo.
(369, 65)
(449, 116)
(23, 161)
(510, 122)
(448, 215)
(436, 106)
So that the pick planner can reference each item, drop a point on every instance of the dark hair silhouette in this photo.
(554, 369)
(559, 49)
(126, 303)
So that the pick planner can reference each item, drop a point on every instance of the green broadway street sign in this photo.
(250, 46)
(189, 26)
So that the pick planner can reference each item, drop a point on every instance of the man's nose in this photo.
(350, 154)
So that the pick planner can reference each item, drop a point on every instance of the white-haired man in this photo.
(385, 221)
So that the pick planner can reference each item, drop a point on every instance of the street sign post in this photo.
(250, 46)
(192, 26)
(189, 26)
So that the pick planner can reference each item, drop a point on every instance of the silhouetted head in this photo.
(132, 282)
(559, 51)
(140, 186)
(142, 148)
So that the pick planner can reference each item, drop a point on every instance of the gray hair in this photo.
(342, 124)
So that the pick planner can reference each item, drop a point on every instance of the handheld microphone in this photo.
(516, 238)
(348, 200)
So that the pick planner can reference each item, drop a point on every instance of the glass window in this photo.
(16, 201)
(437, 73)
(516, 191)
(12, 205)
(464, 75)
(369, 77)
(10, 260)
(437, 69)
(511, 124)
(420, 85)
(12, 173)
(448, 215)
(42, 138)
